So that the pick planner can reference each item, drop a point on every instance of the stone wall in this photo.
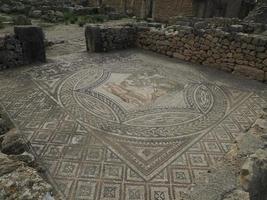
(26, 46)
(259, 13)
(234, 52)
(103, 38)
(52, 11)
(222, 8)
(136, 7)
(10, 52)
(117, 4)
(163, 10)
(221, 44)
(157, 9)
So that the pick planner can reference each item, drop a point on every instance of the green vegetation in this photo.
(71, 18)
(82, 20)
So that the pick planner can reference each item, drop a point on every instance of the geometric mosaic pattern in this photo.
(117, 126)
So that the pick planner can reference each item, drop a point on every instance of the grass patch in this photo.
(82, 20)
(71, 18)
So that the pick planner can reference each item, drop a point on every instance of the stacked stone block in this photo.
(230, 48)
(10, 52)
(238, 53)
(26, 46)
(103, 39)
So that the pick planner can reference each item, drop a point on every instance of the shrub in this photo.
(69, 17)
(82, 20)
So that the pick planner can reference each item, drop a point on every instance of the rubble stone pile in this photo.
(242, 173)
(19, 175)
(10, 52)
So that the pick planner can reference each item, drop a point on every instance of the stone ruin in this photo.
(229, 44)
(21, 174)
(53, 11)
(26, 46)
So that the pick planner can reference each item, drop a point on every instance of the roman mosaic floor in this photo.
(128, 125)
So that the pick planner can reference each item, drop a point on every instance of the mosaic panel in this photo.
(124, 126)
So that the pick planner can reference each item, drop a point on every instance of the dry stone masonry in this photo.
(227, 44)
(52, 11)
(26, 46)
(235, 52)
(102, 39)
(49, 10)
(10, 52)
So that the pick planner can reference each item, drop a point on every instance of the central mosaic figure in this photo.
(139, 90)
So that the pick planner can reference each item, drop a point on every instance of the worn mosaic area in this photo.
(125, 126)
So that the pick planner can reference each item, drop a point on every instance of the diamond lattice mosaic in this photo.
(125, 127)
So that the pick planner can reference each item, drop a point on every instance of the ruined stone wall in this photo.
(238, 53)
(103, 39)
(159, 10)
(118, 5)
(163, 10)
(24, 6)
(86, 2)
(259, 13)
(219, 8)
(10, 52)
(26, 46)
(134, 7)
(52, 11)
(232, 48)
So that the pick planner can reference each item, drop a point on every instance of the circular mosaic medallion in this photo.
(146, 104)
